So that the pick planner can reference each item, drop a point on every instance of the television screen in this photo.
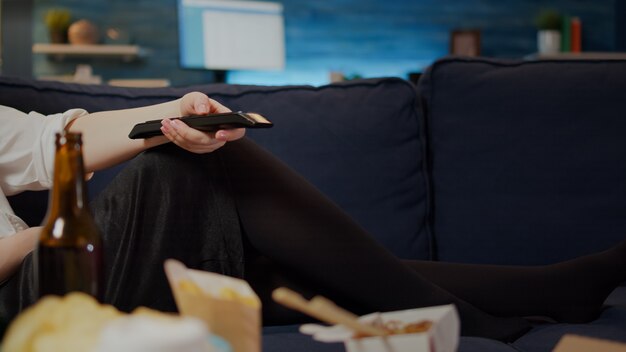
(231, 34)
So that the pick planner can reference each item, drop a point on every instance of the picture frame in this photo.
(465, 42)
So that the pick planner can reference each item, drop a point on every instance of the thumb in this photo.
(200, 106)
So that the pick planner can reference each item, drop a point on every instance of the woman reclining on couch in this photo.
(230, 207)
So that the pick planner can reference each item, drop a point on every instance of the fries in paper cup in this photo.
(227, 305)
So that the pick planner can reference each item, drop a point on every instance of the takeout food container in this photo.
(227, 305)
(442, 336)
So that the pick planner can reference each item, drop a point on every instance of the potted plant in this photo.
(58, 21)
(549, 24)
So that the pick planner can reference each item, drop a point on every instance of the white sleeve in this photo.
(27, 148)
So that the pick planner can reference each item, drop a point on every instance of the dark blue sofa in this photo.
(505, 162)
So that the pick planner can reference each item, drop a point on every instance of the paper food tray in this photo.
(443, 335)
(228, 306)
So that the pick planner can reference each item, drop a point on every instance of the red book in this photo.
(576, 35)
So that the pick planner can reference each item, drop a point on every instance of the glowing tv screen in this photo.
(231, 34)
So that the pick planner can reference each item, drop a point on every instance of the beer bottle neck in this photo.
(68, 189)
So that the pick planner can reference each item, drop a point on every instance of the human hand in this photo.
(193, 140)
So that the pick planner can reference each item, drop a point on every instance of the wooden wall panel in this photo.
(356, 37)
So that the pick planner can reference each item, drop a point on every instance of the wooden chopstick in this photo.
(325, 310)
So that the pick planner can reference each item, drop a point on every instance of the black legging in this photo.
(212, 210)
(165, 204)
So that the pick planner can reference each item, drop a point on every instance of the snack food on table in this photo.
(55, 324)
(153, 332)
(225, 293)
(77, 322)
(227, 305)
(395, 327)
(424, 329)
(229, 293)
(189, 287)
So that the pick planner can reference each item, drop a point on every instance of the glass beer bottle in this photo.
(69, 254)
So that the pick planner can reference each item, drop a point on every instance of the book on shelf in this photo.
(566, 39)
(576, 35)
(571, 34)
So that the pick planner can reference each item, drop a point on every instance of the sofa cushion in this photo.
(479, 344)
(289, 342)
(288, 339)
(609, 326)
(527, 158)
(358, 142)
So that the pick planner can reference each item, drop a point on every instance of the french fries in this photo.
(225, 293)
(228, 306)
(190, 287)
(394, 327)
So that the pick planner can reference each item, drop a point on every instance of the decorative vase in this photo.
(83, 32)
(58, 36)
(548, 42)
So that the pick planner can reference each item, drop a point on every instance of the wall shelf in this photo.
(61, 51)
(579, 56)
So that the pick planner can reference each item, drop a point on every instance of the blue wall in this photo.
(151, 24)
(356, 37)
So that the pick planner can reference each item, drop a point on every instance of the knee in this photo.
(170, 162)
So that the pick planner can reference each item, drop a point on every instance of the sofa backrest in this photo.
(358, 142)
(527, 158)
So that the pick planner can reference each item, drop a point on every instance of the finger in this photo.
(185, 134)
(230, 135)
(201, 104)
(169, 131)
(188, 138)
(199, 148)
(216, 106)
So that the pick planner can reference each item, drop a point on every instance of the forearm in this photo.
(105, 134)
(14, 248)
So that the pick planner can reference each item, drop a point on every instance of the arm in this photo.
(105, 134)
(14, 248)
(106, 143)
